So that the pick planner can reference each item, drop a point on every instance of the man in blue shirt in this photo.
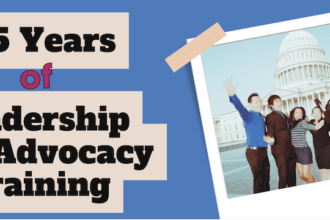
(254, 124)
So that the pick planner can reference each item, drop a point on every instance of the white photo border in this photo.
(302, 202)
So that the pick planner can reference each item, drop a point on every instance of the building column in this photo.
(293, 76)
(298, 99)
(312, 102)
(289, 106)
(322, 70)
(297, 74)
(279, 80)
(307, 105)
(325, 95)
(292, 102)
(286, 106)
(303, 102)
(302, 72)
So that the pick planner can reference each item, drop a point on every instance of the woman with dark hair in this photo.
(298, 127)
(321, 141)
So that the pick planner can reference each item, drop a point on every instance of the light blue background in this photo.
(157, 29)
(251, 64)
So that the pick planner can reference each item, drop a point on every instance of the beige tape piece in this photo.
(195, 47)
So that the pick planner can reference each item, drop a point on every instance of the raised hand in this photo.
(319, 125)
(323, 103)
(230, 88)
(314, 95)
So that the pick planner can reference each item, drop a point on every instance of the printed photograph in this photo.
(269, 98)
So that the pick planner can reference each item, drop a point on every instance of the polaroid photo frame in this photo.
(301, 202)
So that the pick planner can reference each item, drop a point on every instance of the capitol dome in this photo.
(298, 38)
(301, 60)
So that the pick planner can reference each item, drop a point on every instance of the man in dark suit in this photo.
(282, 148)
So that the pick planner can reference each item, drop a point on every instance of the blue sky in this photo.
(251, 64)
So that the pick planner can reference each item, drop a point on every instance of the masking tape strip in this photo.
(195, 47)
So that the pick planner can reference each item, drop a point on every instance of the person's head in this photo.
(298, 113)
(275, 102)
(255, 102)
(317, 113)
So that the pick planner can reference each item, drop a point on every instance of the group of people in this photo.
(286, 134)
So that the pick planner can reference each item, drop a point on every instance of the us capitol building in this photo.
(302, 70)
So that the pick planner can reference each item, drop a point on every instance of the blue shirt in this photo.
(287, 123)
(254, 124)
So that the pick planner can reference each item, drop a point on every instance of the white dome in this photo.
(297, 38)
(301, 61)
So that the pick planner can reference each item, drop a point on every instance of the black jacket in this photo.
(321, 137)
(277, 128)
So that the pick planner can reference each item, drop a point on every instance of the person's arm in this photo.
(307, 126)
(231, 91)
(312, 123)
(323, 105)
(270, 123)
(244, 113)
(316, 100)
(327, 117)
